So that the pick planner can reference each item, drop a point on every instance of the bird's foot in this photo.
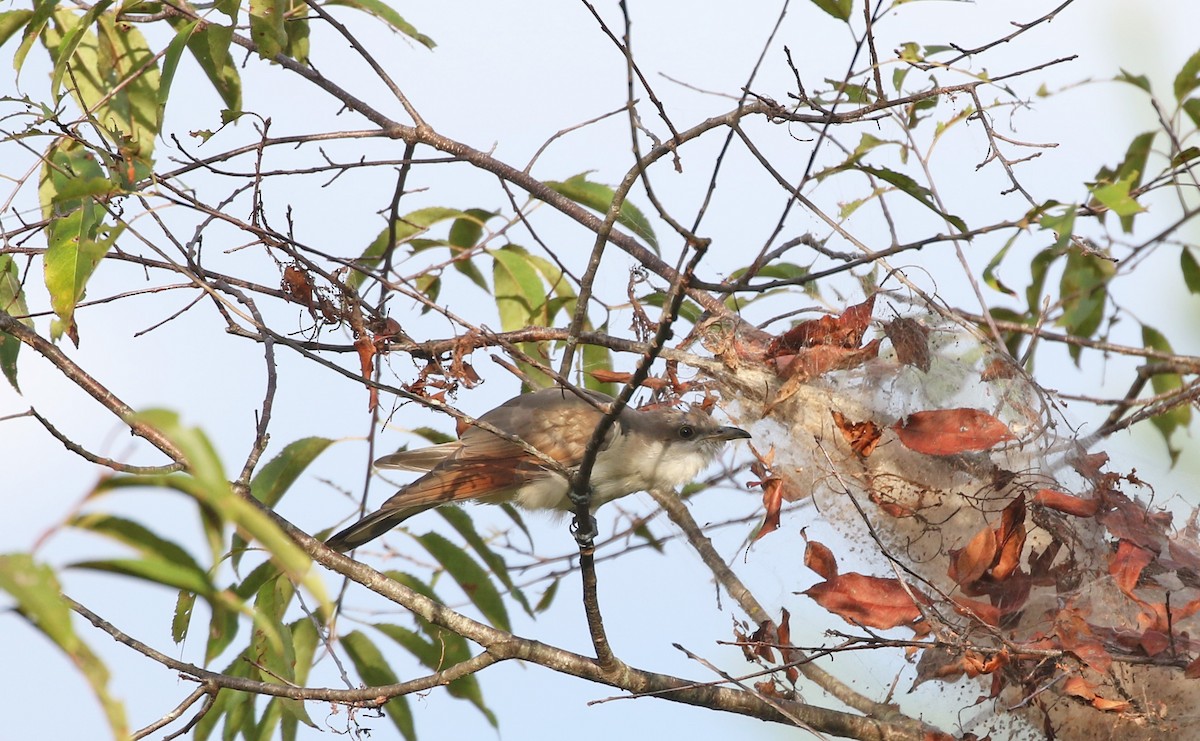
(584, 536)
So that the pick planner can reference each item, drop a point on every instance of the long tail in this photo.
(372, 526)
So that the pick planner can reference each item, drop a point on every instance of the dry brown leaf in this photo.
(1126, 564)
(366, 354)
(999, 366)
(1010, 539)
(951, 431)
(844, 331)
(821, 560)
(862, 437)
(1066, 503)
(910, 340)
(871, 601)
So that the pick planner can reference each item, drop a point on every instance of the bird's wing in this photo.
(486, 465)
(421, 459)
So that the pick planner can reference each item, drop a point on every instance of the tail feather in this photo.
(372, 526)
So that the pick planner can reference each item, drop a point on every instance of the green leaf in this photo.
(1191, 107)
(151, 569)
(388, 15)
(522, 301)
(907, 185)
(989, 273)
(210, 47)
(12, 302)
(596, 358)
(599, 197)
(1165, 383)
(1188, 78)
(10, 22)
(1116, 197)
(465, 526)
(274, 479)
(65, 51)
(1139, 81)
(115, 76)
(375, 672)
(1190, 269)
(181, 620)
(441, 651)
(839, 9)
(207, 484)
(266, 27)
(39, 17)
(1083, 289)
(547, 597)
(163, 561)
(170, 62)
(469, 576)
(465, 233)
(297, 33)
(1038, 268)
(39, 600)
(407, 227)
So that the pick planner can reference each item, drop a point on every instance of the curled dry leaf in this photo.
(821, 560)
(1126, 564)
(951, 431)
(1079, 687)
(608, 376)
(844, 331)
(1066, 503)
(772, 490)
(862, 437)
(297, 285)
(366, 354)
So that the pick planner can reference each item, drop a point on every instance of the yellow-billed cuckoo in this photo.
(643, 451)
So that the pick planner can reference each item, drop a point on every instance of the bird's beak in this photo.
(729, 433)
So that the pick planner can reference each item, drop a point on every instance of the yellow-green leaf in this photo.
(599, 197)
(40, 601)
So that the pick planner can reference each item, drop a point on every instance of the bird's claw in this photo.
(585, 535)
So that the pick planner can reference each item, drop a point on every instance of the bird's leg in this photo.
(584, 535)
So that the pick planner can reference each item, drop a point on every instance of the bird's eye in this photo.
(687, 432)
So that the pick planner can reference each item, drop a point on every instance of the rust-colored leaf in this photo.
(609, 376)
(1010, 539)
(1111, 706)
(1193, 670)
(366, 354)
(821, 560)
(951, 431)
(811, 362)
(1125, 566)
(999, 366)
(844, 331)
(1088, 466)
(971, 563)
(982, 611)
(871, 601)
(862, 437)
(1076, 636)
(1129, 520)
(772, 490)
(772, 494)
(910, 340)
(1154, 642)
(297, 285)
(1066, 503)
